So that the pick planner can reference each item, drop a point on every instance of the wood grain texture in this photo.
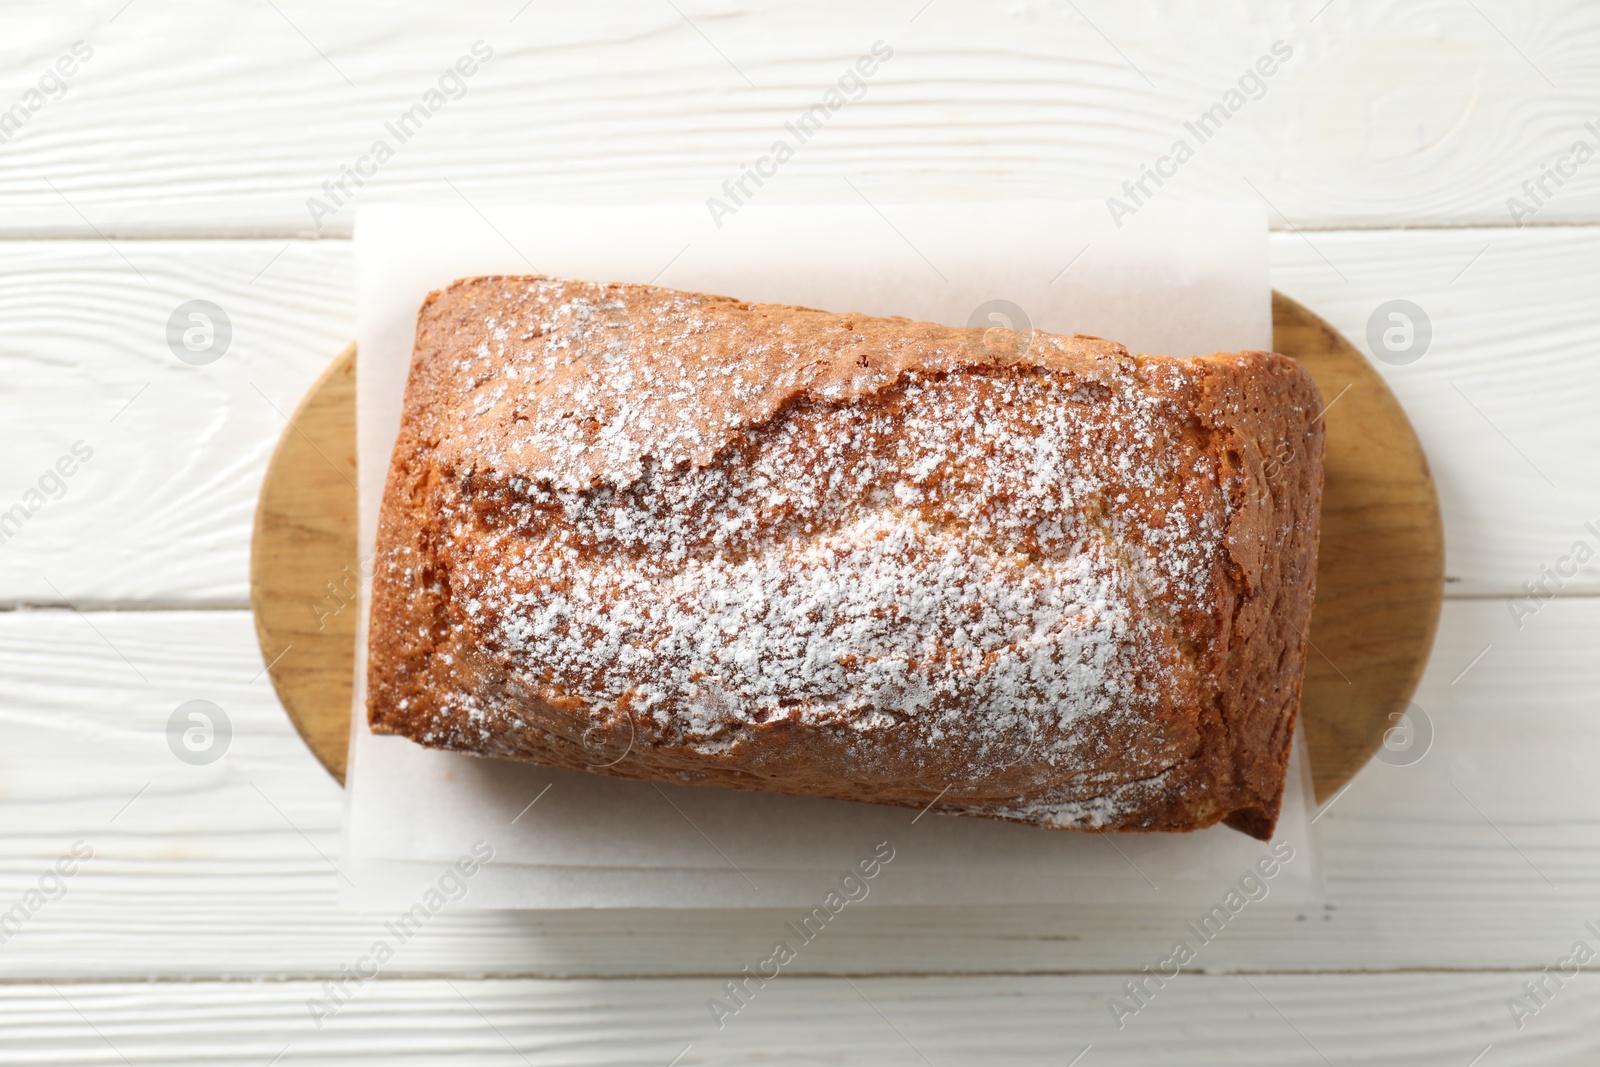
(1503, 399)
(1380, 563)
(1415, 1020)
(1380, 570)
(1401, 113)
(162, 514)
(226, 869)
(306, 565)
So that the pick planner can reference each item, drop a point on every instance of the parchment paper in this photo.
(1177, 279)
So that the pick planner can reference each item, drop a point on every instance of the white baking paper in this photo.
(1182, 280)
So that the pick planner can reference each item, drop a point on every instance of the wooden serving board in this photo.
(1380, 572)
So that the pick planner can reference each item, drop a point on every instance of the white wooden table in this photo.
(176, 164)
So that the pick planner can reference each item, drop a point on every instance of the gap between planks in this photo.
(692, 976)
(309, 237)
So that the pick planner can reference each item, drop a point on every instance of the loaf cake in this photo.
(1026, 576)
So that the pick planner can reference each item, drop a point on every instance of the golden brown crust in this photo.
(666, 535)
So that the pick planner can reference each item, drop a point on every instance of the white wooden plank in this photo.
(220, 869)
(162, 510)
(1504, 396)
(1427, 1020)
(162, 513)
(225, 119)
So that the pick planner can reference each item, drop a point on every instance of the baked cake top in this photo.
(1018, 555)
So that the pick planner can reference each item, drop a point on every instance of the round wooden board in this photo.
(1380, 571)
(304, 564)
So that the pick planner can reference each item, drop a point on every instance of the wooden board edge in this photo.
(332, 754)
